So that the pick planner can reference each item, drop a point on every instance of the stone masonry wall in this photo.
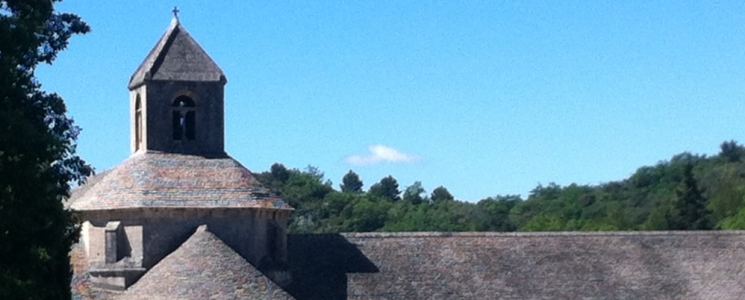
(157, 98)
(156, 232)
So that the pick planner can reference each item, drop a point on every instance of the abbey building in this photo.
(181, 219)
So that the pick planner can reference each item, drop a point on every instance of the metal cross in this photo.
(175, 11)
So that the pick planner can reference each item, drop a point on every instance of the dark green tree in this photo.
(731, 151)
(440, 193)
(275, 178)
(37, 154)
(303, 190)
(545, 223)
(366, 213)
(736, 222)
(279, 172)
(495, 213)
(415, 194)
(387, 188)
(690, 204)
(351, 183)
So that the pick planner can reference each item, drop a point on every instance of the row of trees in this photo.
(687, 192)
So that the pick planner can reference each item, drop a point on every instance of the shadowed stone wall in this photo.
(157, 98)
(156, 232)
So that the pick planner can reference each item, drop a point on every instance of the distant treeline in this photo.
(688, 192)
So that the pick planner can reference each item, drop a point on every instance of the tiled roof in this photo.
(617, 265)
(176, 57)
(204, 268)
(174, 180)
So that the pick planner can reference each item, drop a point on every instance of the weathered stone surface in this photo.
(81, 284)
(204, 268)
(156, 118)
(176, 57)
(615, 265)
(140, 217)
(152, 233)
(174, 180)
(609, 265)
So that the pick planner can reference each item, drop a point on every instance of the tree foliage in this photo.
(351, 183)
(690, 204)
(496, 213)
(686, 192)
(731, 151)
(37, 154)
(441, 193)
(386, 188)
(415, 193)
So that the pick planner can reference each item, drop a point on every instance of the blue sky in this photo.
(482, 97)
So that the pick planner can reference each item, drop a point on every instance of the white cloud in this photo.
(380, 154)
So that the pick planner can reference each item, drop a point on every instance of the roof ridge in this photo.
(142, 70)
(177, 61)
(204, 267)
(160, 56)
(535, 234)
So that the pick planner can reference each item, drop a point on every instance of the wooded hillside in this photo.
(687, 192)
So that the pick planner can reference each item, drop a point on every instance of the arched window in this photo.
(183, 119)
(138, 124)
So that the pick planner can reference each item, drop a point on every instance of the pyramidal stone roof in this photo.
(147, 180)
(204, 268)
(176, 57)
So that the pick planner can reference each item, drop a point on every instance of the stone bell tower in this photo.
(176, 98)
(177, 180)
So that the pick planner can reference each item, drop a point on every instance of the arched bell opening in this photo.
(183, 119)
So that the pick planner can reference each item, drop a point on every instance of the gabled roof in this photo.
(204, 268)
(562, 265)
(174, 180)
(176, 57)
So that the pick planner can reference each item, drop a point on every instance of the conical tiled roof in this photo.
(204, 268)
(174, 180)
(176, 57)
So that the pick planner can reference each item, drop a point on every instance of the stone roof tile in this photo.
(176, 57)
(204, 267)
(174, 180)
(615, 265)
